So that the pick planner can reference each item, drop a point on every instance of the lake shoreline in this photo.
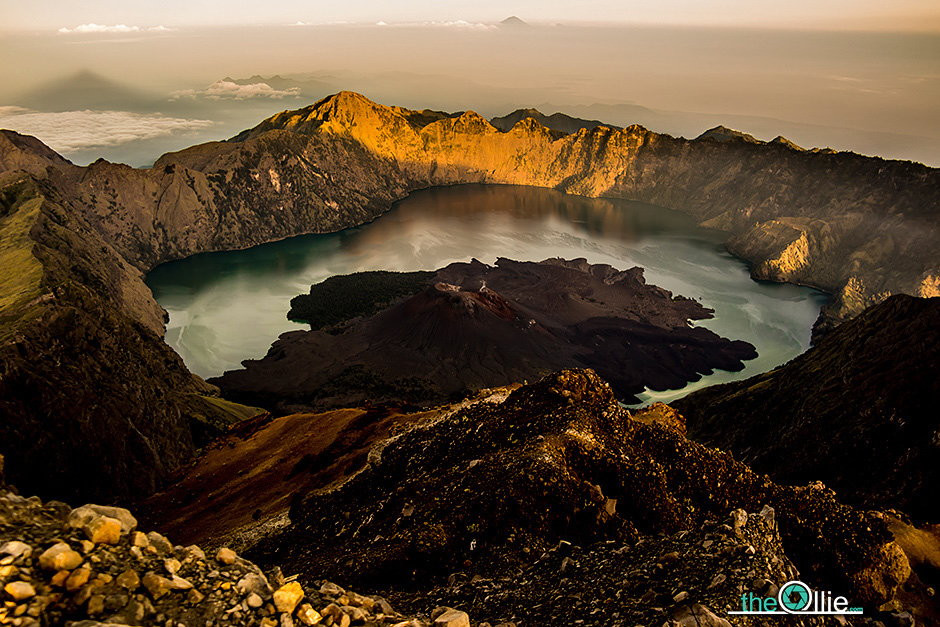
(512, 218)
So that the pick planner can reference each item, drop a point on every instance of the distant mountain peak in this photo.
(559, 122)
(340, 101)
(342, 109)
(87, 79)
(512, 20)
(783, 141)
(347, 97)
(86, 89)
(725, 134)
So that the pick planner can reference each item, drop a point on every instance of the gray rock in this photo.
(329, 589)
(452, 618)
(60, 556)
(178, 583)
(16, 549)
(80, 517)
(698, 615)
(20, 590)
(159, 542)
(192, 553)
(254, 583)
(156, 585)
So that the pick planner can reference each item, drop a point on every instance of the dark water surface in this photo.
(230, 306)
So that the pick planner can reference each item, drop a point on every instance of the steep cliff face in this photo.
(859, 227)
(92, 402)
(847, 219)
(857, 411)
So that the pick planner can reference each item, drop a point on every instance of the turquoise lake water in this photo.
(230, 306)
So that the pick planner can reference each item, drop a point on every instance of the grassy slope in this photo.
(20, 272)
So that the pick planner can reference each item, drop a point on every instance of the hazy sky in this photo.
(128, 80)
(837, 14)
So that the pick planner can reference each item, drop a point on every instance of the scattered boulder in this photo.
(308, 616)
(19, 590)
(78, 578)
(452, 618)
(143, 579)
(104, 530)
(160, 543)
(288, 596)
(156, 585)
(226, 556)
(697, 615)
(60, 556)
(82, 517)
(129, 580)
(15, 549)
(626, 583)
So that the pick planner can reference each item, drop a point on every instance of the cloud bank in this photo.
(114, 28)
(458, 24)
(230, 90)
(71, 131)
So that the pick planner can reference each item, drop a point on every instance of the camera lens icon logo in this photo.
(794, 596)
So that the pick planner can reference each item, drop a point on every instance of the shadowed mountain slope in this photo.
(857, 411)
(75, 241)
(556, 121)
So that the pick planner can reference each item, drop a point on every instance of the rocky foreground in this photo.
(472, 506)
(434, 337)
(550, 506)
(690, 578)
(91, 566)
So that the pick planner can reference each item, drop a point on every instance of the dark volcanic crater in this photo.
(418, 338)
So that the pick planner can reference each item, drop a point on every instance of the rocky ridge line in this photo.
(76, 240)
(486, 490)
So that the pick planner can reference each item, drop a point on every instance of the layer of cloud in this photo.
(229, 90)
(459, 24)
(113, 28)
(71, 131)
(327, 23)
(6, 110)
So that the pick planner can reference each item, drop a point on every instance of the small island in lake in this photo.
(417, 338)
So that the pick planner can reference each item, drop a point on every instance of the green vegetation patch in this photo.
(20, 271)
(344, 297)
(211, 416)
